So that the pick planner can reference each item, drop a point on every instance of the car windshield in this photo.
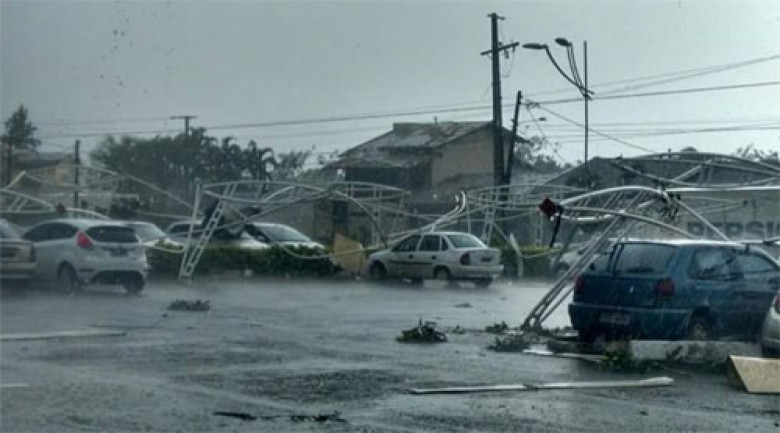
(147, 231)
(284, 234)
(465, 241)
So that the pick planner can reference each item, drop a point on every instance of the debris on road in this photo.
(81, 333)
(621, 360)
(755, 375)
(497, 328)
(581, 356)
(642, 383)
(457, 330)
(464, 305)
(240, 415)
(510, 343)
(691, 352)
(326, 417)
(183, 305)
(422, 333)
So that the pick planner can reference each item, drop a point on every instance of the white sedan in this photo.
(442, 255)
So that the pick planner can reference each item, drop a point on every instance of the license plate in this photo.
(118, 252)
(614, 318)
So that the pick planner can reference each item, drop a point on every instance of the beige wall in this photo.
(471, 154)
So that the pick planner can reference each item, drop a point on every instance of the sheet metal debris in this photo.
(642, 383)
(755, 375)
(82, 333)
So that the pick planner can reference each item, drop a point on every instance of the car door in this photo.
(401, 257)
(713, 284)
(427, 256)
(47, 239)
(759, 285)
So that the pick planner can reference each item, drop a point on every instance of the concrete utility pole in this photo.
(497, 48)
(77, 162)
(186, 118)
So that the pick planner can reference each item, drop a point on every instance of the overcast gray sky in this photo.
(89, 68)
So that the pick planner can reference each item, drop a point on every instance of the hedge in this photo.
(271, 261)
(537, 265)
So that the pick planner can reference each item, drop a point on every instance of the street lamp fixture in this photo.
(574, 78)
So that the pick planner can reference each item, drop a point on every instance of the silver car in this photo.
(280, 234)
(76, 252)
(770, 332)
(17, 257)
(442, 255)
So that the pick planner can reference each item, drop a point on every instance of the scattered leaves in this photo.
(183, 305)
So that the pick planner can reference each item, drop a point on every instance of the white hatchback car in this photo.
(77, 252)
(440, 255)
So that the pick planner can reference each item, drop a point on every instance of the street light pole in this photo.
(575, 80)
(585, 97)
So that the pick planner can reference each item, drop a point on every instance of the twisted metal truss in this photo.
(238, 202)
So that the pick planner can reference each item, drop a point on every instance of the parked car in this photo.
(150, 234)
(675, 289)
(178, 232)
(770, 331)
(440, 255)
(77, 252)
(273, 233)
(17, 257)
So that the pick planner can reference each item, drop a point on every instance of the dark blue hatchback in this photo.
(675, 289)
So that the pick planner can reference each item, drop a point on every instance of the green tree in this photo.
(19, 131)
(290, 164)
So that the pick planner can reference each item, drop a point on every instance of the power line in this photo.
(415, 112)
(574, 122)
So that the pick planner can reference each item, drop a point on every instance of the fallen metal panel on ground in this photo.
(756, 375)
(349, 254)
(13, 385)
(83, 333)
(643, 383)
(582, 356)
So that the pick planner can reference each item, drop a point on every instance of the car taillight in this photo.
(665, 288)
(777, 304)
(579, 284)
(83, 241)
(32, 254)
(465, 259)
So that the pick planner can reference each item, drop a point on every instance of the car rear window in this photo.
(465, 241)
(644, 259)
(112, 234)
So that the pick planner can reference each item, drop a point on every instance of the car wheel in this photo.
(444, 274)
(68, 280)
(133, 285)
(483, 282)
(377, 272)
(699, 329)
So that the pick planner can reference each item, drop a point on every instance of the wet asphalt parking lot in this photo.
(273, 348)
